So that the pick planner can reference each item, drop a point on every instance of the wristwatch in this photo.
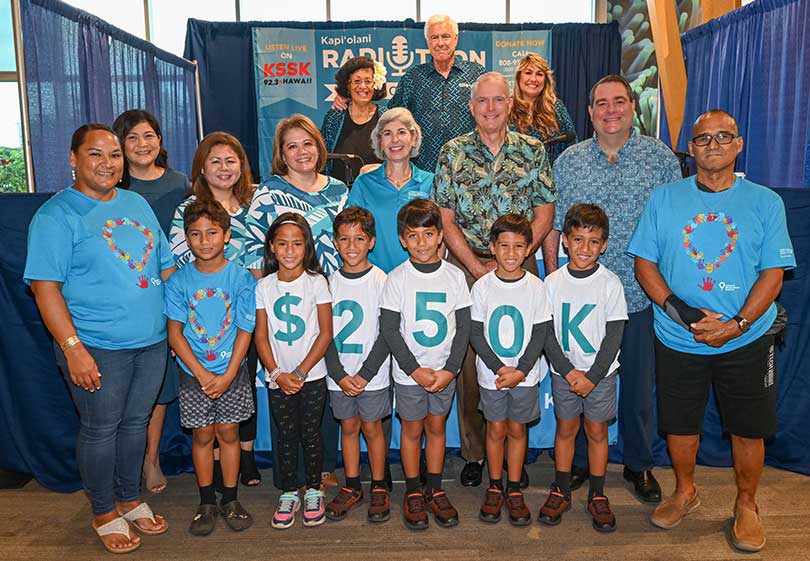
(742, 323)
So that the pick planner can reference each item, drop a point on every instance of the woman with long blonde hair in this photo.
(536, 109)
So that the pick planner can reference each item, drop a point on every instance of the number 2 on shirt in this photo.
(435, 316)
(349, 328)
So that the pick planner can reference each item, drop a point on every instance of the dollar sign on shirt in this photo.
(294, 324)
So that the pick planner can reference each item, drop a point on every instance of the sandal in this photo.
(155, 480)
(250, 475)
(141, 512)
(116, 526)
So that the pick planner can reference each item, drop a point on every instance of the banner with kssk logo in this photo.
(295, 68)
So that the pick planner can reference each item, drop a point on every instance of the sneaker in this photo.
(669, 513)
(288, 505)
(493, 504)
(313, 508)
(329, 479)
(342, 503)
(747, 534)
(603, 519)
(413, 509)
(555, 506)
(379, 508)
(444, 513)
(519, 514)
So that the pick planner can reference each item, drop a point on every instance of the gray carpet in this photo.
(43, 526)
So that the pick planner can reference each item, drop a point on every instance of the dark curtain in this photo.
(80, 69)
(581, 54)
(753, 63)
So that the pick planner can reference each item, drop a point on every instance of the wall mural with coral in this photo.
(638, 53)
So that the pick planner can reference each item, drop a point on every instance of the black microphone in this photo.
(344, 157)
(564, 137)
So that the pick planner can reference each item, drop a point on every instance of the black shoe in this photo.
(204, 521)
(645, 486)
(235, 516)
(248, 472)
(578, 477)
(471, 474)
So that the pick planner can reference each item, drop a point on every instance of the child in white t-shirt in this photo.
(425, 319)
(589, 310)
(293, 331)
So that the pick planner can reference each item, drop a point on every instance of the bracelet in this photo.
(274, 374)
(71, 341)
(300, 374)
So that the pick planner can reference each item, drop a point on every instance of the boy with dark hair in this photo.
(358, 364)
(211, 307)
(510, 318)
(425, 319)
(589, 313)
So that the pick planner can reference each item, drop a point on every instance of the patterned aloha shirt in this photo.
(440, 105)
(479, 186)
(277, 196)
(233, 249)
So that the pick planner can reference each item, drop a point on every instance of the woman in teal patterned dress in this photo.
(220, 171)
(536, 109)
(297, 185)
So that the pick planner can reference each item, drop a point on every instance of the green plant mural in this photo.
(639, 64)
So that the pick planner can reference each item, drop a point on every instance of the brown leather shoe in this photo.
(414, 511)
(669, 513)
(555, 506)
(747, 534)
(602, 517)
(342, 503)
(493, 504)
(519, 514)
(444, 513)
(328, 479)
(379, 508)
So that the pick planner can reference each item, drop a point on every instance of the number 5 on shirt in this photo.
(423, 299)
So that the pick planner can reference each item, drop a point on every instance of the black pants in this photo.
(247, 428)
(298, 418)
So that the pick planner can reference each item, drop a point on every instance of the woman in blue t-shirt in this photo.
(96, 263)
(147, 172)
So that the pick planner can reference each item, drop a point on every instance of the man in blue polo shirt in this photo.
(617, 169)
(711, 251)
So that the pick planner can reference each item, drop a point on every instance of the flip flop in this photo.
(116, 526)
(139, 513)
(155, 480)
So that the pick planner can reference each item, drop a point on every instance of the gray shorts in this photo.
(599, 406)
(197, 410)
(369, 406)
(414, 403)
(520, 404)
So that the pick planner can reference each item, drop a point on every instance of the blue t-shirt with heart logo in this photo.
(108, 255)
(710, 249)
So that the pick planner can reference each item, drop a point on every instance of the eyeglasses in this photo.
(362, 82)
(720, 137)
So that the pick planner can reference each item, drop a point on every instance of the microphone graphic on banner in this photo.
(399, 58)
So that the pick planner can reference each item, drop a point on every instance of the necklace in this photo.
(365, 116)
(399, 182)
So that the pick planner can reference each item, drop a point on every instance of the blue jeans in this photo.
(113, 420)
